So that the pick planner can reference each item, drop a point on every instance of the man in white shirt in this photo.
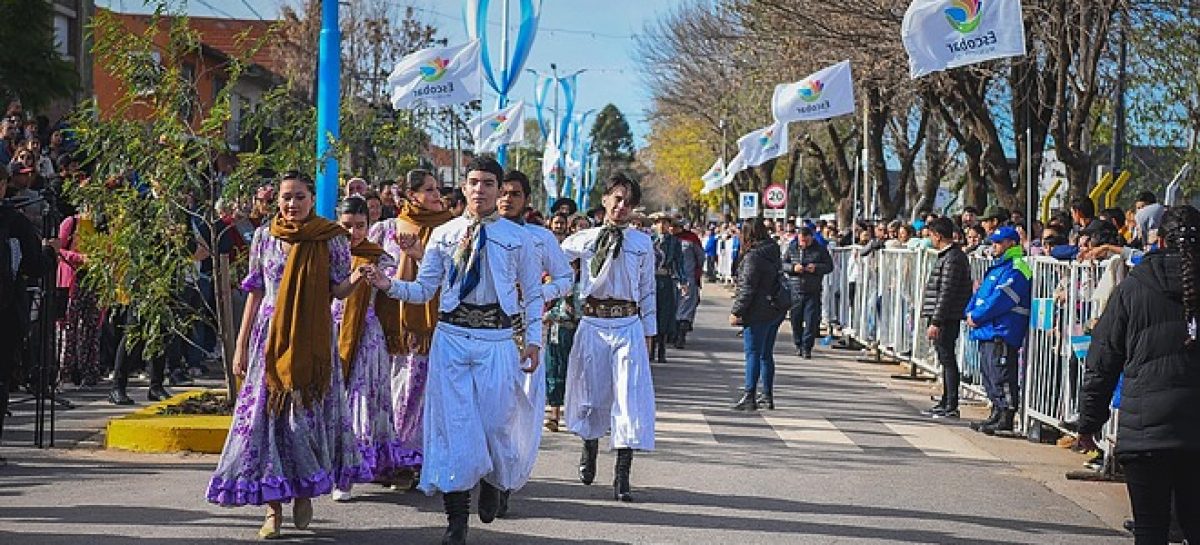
(609, 386)
(514, 198)
(475, 405)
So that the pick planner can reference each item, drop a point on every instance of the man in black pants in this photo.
(806, 263)
(946, 295)
(130, 352)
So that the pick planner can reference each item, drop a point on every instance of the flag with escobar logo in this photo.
(438, 76)
(944, 34)
(827, 93)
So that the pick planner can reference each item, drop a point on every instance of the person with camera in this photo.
(760, 304)
(21, 260)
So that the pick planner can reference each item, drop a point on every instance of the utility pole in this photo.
(1117, 158)
(329, 69)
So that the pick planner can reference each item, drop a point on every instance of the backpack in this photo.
(780, 299)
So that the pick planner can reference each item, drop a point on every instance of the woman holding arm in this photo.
(419, 210)
(291, 437)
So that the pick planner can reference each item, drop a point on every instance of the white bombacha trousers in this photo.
(609, 386)
(476, 412)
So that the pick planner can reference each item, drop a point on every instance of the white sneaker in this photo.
(341, 496)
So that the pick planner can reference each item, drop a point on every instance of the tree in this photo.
(612, 140)
(31, 69)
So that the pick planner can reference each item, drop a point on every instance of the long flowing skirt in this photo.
(302, 452)
(477, 413)
(666, 300)
(609, 386)
(80, 330)
(409, 375)
(370, 400)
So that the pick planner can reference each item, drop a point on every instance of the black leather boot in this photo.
(766, 401)
(621, 481)
(1005, 423)
(117, 396)
(991, 419)
(662, 349)
(158, 393)
(502, 511)
(587, 461)
(458, 509)
(746, 402)
(489, 502)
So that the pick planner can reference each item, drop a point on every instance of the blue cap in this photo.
(1005, 233)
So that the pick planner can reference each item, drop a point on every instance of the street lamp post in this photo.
(329, 67)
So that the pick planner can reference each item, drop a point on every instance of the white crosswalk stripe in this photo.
(801, 432)
(939, 442)
(683, 427)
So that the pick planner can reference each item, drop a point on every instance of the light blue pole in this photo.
(329, 68)
(502, 153)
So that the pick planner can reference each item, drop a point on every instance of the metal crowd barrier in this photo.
(876, 300)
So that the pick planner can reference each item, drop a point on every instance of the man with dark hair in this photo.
(946, 294)
(1083, 213)
(806, 263)
(609, 384)
(564, 205)
(475, 261)
(1144, 198)
(513, 201)
(597, 215)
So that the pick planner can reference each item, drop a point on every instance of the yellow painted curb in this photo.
(144, 430)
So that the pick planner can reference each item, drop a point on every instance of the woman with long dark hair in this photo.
(419, 209)
(1148, 334)
(290, 439)
(758, 281)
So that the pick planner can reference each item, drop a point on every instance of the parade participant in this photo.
(290, 438)
(474, 402)
(419, 211)
(689, 283)
(998, 315)
(368, 334)
(668, 259)
(609, 386)
(514, 197)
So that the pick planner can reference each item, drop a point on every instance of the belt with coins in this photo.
(477, 317)
(609, 308)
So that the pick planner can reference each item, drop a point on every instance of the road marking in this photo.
(684, 427)
(802, 432)
(940, 442)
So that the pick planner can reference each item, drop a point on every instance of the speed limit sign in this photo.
(775, 196)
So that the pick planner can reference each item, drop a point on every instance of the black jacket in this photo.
(757, 274)
(1142, 334)
(814, 254)
(949, 287)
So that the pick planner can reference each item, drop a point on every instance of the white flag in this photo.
(712, 178)
(762, 145)
(825, 94)
(550, 171)
(736, 165)
(498, 128)
(942, 34)
(438, 76)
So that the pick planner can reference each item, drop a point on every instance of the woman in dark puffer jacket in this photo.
(1148, 332)
(757, 278)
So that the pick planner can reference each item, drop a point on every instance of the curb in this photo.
(144, 430)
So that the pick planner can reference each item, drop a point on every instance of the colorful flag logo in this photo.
(810, 90)
(964, 15)
(435, 70)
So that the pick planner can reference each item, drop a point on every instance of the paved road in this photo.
(844, 459)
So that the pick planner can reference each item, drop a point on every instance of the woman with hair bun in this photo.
(1148, 334)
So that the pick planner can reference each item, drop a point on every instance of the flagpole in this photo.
(502, 102)
(329, 60)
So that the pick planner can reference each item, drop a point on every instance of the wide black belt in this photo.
(477, 317)
(609, 308)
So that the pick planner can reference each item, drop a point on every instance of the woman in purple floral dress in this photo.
(419, 211)
(365, 346)
(291, 437)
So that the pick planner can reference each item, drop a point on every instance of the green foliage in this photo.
(612, 140)
(30, 67)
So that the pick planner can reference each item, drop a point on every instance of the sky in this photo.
(594, 35)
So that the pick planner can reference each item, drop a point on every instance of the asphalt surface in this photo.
(845, 458)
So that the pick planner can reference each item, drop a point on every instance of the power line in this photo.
(250, 7)
(215, 9)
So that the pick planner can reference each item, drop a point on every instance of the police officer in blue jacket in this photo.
(998, 316)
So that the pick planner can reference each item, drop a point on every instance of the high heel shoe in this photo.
(270, 527)
(302, 513)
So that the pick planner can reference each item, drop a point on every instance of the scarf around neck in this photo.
(416, 320)
(357, 304)
(298, 358)
(608, 246)
(467, 255)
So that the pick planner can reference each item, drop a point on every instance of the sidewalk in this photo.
(1045, 464)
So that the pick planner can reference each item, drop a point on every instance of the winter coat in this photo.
(1000, 307)
(814, 254)
(1142, 334)
(756, 279)
(949, 287)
